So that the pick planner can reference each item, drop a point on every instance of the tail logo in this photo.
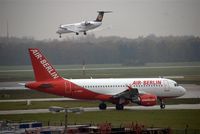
(100, 17)
(44, 63)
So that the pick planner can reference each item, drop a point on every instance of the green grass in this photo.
(156, 118)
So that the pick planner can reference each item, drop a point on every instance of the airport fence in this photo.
(132, 128)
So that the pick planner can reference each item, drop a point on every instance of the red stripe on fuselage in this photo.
(68, 89)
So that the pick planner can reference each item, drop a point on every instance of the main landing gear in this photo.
(77, 33)
(84, 33)
(102, 106)
(162, 104)
(60, 36)
(119, 107)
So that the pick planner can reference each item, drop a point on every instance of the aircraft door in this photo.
(166, 86)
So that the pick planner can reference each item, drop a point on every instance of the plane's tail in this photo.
(100, 15)
(43, 70)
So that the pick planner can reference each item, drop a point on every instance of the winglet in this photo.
(43, 70)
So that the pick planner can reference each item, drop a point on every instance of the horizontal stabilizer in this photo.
(104, 11)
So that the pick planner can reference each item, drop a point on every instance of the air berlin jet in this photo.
(121, 91)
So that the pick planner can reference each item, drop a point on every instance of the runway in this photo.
(94, 109)
(100, 68)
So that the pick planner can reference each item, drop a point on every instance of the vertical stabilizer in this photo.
(43, 70)
(100, 15)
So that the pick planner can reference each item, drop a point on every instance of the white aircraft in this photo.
(121, 91)
(83, 26)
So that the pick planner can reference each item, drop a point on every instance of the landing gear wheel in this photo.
(119, 107)
(60, 36)
(162, 106)
(84, 33)
(77, 33)
(102, 106)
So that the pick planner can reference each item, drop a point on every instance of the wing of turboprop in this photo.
(74, 29)
(71, 28)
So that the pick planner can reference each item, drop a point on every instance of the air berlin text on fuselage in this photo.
(147, 82)
(45, 64)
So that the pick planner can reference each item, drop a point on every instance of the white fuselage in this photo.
(78, 27)
(160, 87)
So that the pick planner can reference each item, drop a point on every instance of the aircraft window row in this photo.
(147, 85)
(104, 86)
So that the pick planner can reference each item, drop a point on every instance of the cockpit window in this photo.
(175, 84)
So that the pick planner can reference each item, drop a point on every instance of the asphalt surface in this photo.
(92, 109)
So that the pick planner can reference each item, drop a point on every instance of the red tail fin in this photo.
(42, 69)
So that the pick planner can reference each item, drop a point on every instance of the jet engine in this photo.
(147, 100)
(85, 23)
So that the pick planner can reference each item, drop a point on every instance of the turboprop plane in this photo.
(83, 26)
(120, 91)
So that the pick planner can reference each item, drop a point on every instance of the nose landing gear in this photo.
(162, 104)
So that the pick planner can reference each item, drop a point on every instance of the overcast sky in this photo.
(130, 18)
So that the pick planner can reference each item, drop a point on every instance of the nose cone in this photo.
(182, 91)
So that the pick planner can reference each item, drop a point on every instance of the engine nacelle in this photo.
(147, 100)
(85, 23)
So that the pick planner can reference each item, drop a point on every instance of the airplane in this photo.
(119, 91)
(83, 26)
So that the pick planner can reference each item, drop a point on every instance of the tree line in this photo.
(103, 50)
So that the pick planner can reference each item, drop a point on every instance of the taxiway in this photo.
(93, 109)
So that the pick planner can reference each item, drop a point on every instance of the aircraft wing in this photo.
(127, 94)
(135, 96)
(130, 94)
(74, 29)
